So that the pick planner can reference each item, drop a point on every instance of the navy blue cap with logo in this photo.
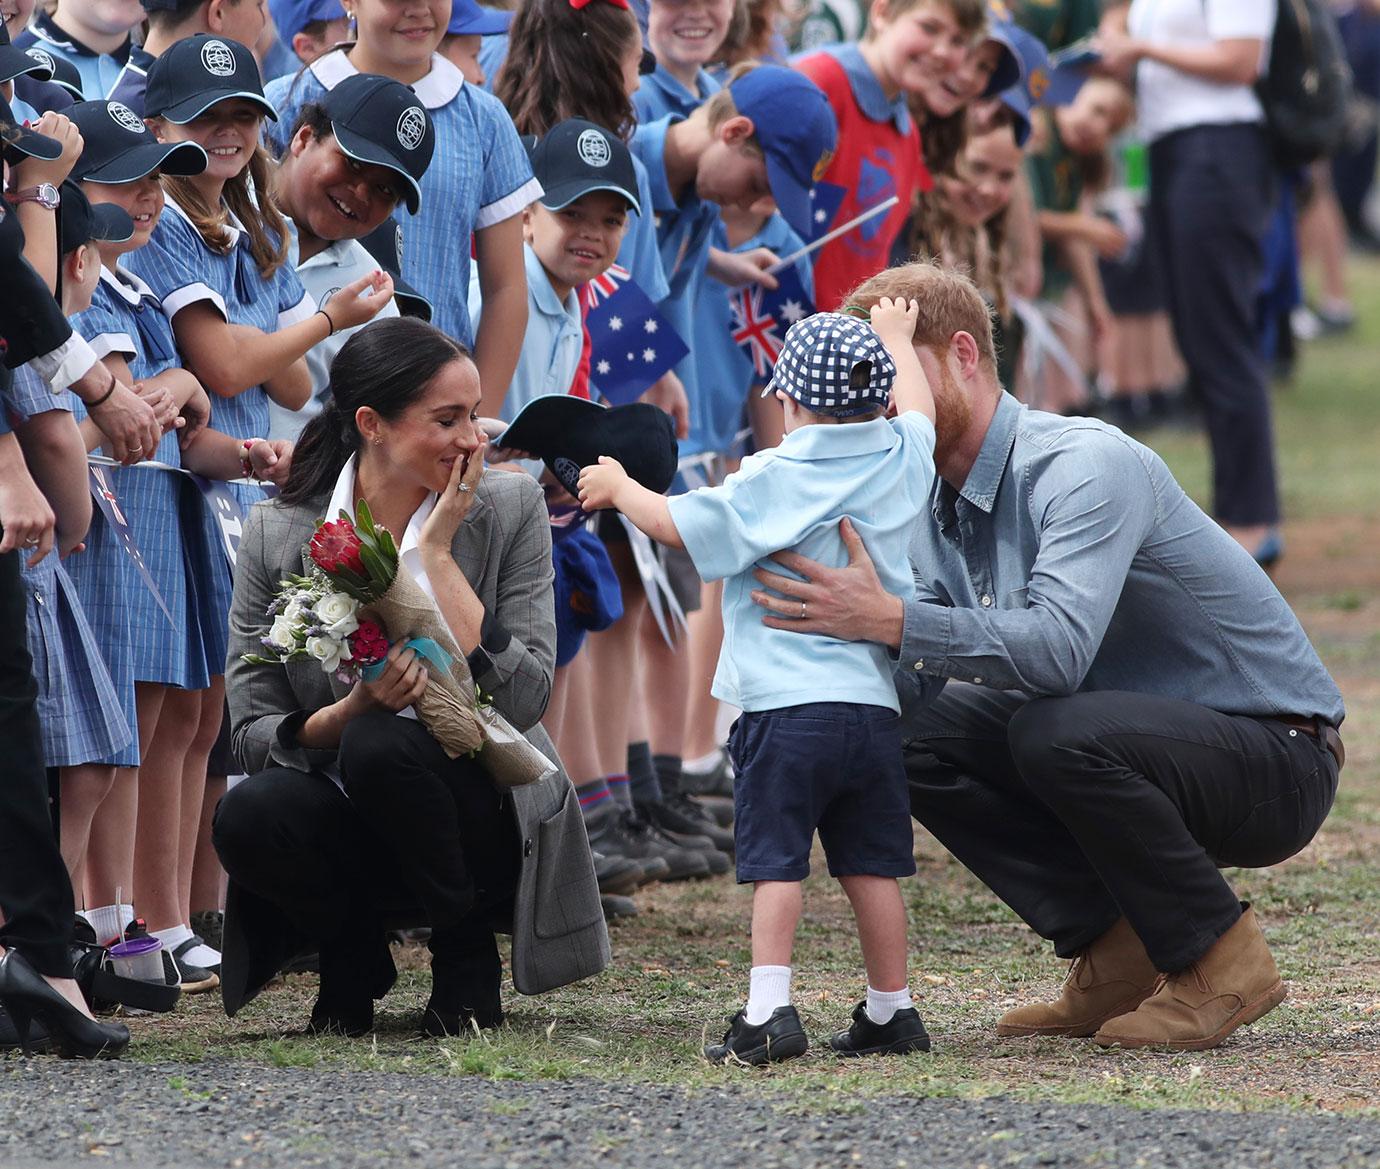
(82, 222)
(63, 73)
(199, 72)
(381, 121)
(796, 129)
(119, 148)
(576, 157)
(21, 142)
(15, 62)
(385, 244)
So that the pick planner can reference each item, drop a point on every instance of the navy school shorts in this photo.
(834, 767)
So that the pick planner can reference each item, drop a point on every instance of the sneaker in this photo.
(679, 813)
(780, 1037)
(899, 1035)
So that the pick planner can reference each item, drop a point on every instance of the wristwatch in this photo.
(45, 195)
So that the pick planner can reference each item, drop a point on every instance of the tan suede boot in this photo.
(1109, 978)
(1234, 983)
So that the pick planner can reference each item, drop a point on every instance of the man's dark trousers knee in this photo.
(1078, 810)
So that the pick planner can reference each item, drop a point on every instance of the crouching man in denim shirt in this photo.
(1106, 698)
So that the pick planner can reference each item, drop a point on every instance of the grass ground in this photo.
(679, 968)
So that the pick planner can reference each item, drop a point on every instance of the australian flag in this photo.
(825, 200)
(631, 343)
(762, 316)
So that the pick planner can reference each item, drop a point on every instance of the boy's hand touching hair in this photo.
(894, 321)
(600, 485)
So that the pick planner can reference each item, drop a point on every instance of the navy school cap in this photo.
(199, 72)
(569, 433)
(64, 73)
(797, 131)
(292, 16)
(15, 62)
(576, 157)
(381, 121)
(385, 244)
(119, 148)
(468, 18)
(25, 143)
(82, 222)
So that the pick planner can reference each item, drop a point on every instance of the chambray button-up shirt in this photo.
(1072, 560)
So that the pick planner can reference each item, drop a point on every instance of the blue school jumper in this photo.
(725, 371)
(82, 715)
(125, 319)
(99, 71)
(479, 176)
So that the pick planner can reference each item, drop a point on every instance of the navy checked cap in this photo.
(832, 363)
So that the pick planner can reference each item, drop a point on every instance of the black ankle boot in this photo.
(466, 975)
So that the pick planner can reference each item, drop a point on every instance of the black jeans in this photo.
(1077, 810)
(1212, 195)
(421, 838)
(35, 892)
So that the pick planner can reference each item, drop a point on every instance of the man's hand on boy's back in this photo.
(738, 268)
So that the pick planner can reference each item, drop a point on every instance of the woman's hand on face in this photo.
(401, 684)
(453, 505)
(360, 300)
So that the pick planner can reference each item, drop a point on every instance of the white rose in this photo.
(327, 651)
(299, 603)
(336, 614)
(281, 635)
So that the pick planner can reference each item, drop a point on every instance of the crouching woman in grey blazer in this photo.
(353, 819)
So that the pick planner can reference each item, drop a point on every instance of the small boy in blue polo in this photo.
(817, 746)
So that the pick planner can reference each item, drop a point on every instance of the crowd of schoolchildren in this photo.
(238, 191)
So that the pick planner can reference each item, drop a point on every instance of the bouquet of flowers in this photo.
(357, 596)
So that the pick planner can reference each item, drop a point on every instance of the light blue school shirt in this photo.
(1073, 561)
(550, 348)
(340, 263)
(493, 51)
(99, 71)
(479, 176)
(181, 270)
(725, 371)
(685, 231)
(878, 474)
(660, 94)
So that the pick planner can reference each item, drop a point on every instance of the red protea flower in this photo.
(368, 644)
(335, 546)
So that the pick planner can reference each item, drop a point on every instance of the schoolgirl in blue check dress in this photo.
(83, 714)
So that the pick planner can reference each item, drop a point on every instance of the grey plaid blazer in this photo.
(504, 549)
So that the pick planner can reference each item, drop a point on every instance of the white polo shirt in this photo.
(1168, 99)
(322, 275)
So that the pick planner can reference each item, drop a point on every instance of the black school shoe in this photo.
(899, 1035)
(780, 1037)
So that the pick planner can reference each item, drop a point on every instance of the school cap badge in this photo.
(217, 59)
(125, 118)
(411, 127)
(593, 148)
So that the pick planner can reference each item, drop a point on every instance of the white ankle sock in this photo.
(769, 987)
(109, 921)
(883, 1004)
(174, 936)
(704, 764)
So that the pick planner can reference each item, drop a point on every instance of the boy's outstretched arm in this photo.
(608, 485)
(894, 321)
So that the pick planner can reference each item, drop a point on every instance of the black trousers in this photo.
(1077, 810)
(1212, 195)
(416, 838)
(35, 892)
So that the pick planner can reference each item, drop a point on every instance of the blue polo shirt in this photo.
(478, 177)
(99, 71)
(661, 94)
(553, 341)
(129, 87)
(725, 371)
(685, 232)
(879, 474)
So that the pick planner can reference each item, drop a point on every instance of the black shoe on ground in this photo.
(717, 781)
(350, 1021)
(195, 979)
(616, 908)
(679, 813)
(609, 839)
(717, 808)
(40, 1042)
(780, 1037)
(632, 835)
(901, 1034)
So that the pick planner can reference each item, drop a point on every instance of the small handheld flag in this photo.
(761, 318)
(631, 343)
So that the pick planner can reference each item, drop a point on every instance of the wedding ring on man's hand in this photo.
(802, 610)
(462, 488)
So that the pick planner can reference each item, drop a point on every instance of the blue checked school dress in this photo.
(83, 714)
(479, 176)
(125, 320)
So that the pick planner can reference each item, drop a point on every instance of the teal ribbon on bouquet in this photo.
(423, 647)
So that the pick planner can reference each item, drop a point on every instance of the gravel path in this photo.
(218, 1114)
